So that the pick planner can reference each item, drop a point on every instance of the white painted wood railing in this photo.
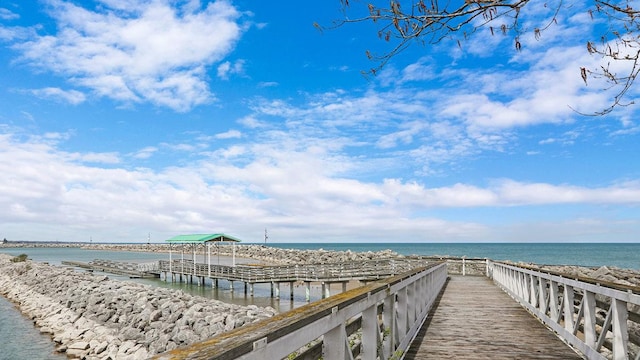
(593, 318)
(354, 270)
(388, 314)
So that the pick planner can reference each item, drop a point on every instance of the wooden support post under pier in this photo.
(327, 290)
(307, 291)
(291, 289)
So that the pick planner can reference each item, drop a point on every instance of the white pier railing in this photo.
(387, 315)
(593, 318)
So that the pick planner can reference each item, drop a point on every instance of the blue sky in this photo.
(120, 118)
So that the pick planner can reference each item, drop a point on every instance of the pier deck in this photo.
(475, 319)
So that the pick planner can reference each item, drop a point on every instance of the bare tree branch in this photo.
(429, 22)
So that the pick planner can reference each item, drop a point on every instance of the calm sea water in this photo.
(19, 339)
(23, 341)
(622, 255)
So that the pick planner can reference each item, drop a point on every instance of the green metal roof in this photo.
(200, 238)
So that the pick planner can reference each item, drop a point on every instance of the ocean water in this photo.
(20, 340)
(622, 255)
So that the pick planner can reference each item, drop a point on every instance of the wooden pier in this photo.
(323, 274)
(497, 311)
(132, 270)
(475, 319)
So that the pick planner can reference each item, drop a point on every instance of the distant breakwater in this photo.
(93, 317)
(267, 254)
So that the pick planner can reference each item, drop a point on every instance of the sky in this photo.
(129, 120)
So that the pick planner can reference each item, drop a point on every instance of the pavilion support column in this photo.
(209, 259)
(181, 262)
(307, 291)
(193, 248)
(231, 285)
(170, 259)
(291, 289)
(278, 291)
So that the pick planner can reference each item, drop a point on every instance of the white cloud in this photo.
(145, 153)
(6, 14)
(251, 122)
(101, 158)
(138, 51)
(227, 68)
(298, 192)
(231, 134)
(267, 84)
(69, 96)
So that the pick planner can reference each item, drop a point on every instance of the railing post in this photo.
(542, 295)
(553, 300)
(589, 304)
(411, 303)
(528, 280)
(533, 299)
(620, 330)
(334, 345)
(370, 332)
(389, 326)
(486, 267)
(568, 308)
(464, 266)
(402, 313)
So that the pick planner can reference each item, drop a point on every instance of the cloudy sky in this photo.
(124, 118)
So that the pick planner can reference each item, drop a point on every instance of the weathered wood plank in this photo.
(477, 320)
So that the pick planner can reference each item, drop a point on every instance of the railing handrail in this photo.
(407, 297)
(551, 296)
(581, 278)
(330, 272)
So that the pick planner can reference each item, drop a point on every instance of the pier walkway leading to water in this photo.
(474, 319)
(497, 313)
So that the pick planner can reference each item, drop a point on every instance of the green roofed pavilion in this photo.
(201, 239)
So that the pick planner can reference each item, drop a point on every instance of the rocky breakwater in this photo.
(93, 317)
(266, 254)
(319, 256)
(608, 274)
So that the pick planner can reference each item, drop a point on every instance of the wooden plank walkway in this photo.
(475, 319)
